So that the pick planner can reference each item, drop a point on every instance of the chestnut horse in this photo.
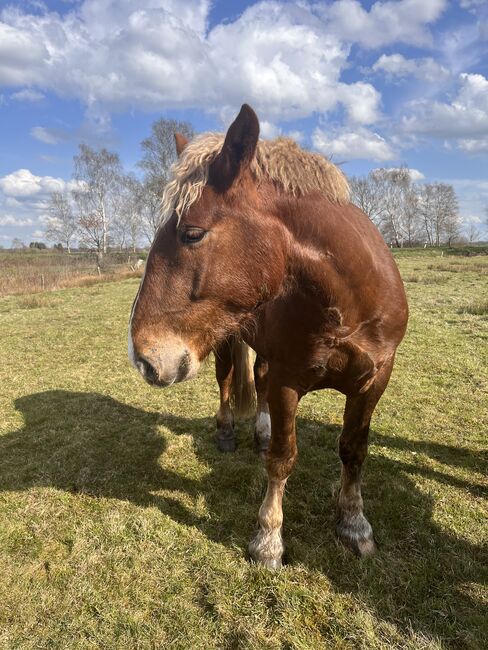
(259, 243)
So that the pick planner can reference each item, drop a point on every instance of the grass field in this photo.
(121, 526)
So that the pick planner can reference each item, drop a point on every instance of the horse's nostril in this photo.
(147, 370)
(184, 366)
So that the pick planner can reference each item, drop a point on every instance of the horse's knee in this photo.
(279, 468)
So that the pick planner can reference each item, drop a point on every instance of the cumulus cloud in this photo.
(285, 58)
(387, 22)
(24, 200)
(466, 118)
(344, 144)
(23, 183)
(268, 130)
(396, 65)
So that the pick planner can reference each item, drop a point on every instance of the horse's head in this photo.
(209, 265)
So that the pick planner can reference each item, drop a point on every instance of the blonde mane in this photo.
(282, 161)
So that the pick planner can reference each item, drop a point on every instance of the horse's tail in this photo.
(242, 388)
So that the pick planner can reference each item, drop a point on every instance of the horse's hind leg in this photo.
(224, 370)
(353, 529)
(262, 430)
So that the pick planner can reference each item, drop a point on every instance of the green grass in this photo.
(121, 526)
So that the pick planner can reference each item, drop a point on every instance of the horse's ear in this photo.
(237, 151)
(180, 142)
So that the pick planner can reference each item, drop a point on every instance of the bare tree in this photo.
(99, 177)
(389, 198)
(159, 151)
(127, 223)
(150, 208)
(92, 232)
(438, 206)
(393, 183)
(62, 226)
(367, 194)
(473, 233)
(18, 244)
(398, 217)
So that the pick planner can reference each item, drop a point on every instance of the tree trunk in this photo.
(104, 227)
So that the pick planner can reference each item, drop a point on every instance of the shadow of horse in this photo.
(92, 444)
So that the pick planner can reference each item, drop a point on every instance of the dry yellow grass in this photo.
(28, 272)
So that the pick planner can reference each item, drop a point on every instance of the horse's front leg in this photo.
(267, 546)
(224, 370)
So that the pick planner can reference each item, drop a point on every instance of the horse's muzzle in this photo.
(160, 375)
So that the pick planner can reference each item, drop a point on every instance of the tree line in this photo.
(109, 207)
(408, 213)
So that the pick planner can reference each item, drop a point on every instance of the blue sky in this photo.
(368, 83)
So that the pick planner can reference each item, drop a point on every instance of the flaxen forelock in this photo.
(282, 161)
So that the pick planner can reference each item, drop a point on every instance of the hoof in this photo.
(266, 548)
(273, 564)
(226, 441)
(356, 534)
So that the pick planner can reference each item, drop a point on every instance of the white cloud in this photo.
(361, 101)
(348, 145)
(23, 183)
(268, 130)
(28, 95)
(24, 200)
(466, 118)
(474, 145)
(48, 136)
(11, 202)
(396, 65)
(387, 22)
(472, 218)
(298, 136)
(415, 174)
(286, 59)
(11, 220)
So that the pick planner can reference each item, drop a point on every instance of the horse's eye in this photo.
(192, 235)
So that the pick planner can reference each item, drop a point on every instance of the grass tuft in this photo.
(477, 308)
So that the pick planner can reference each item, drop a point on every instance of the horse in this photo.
(259, 245)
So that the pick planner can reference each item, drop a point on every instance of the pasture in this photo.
(33, 271)
(122, 526)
